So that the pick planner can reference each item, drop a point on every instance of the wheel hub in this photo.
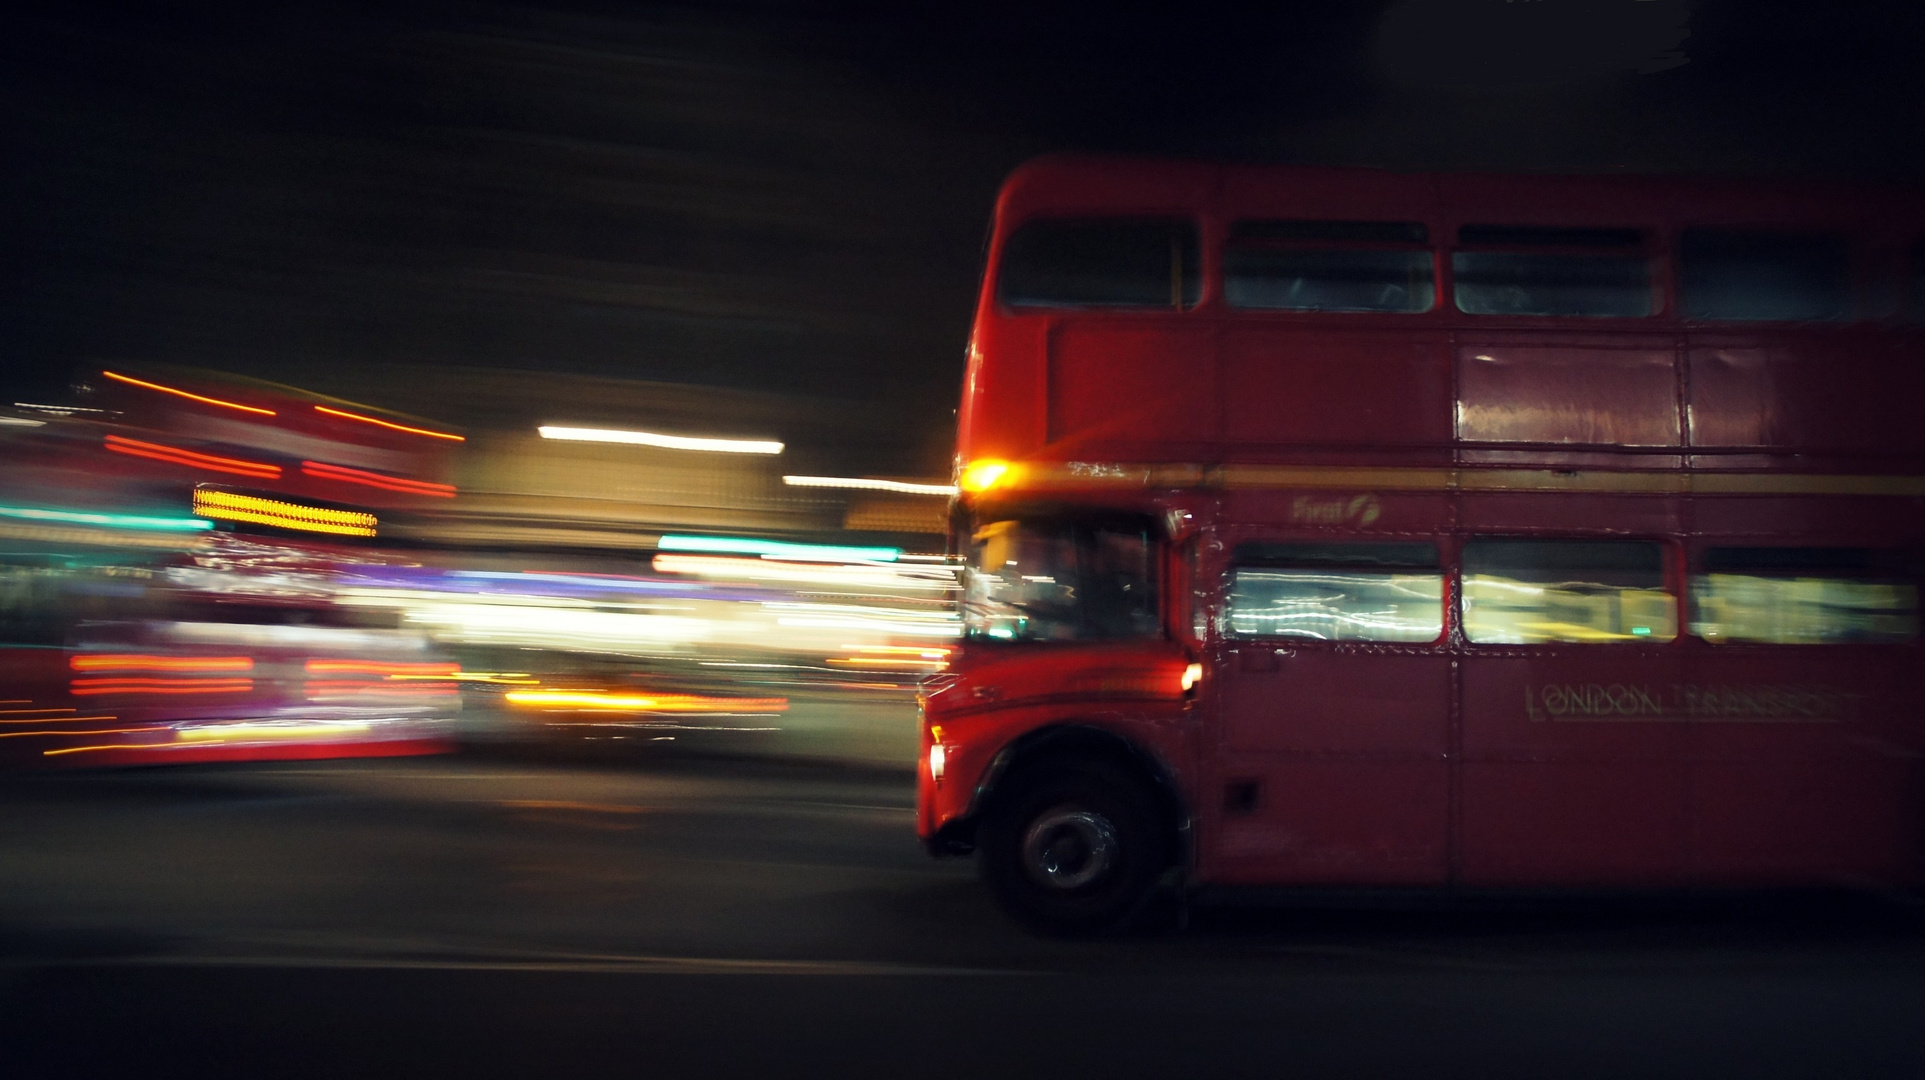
(1069, 847)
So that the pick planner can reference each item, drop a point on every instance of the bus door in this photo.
(1574, 761)
(1328, 762)
(1804, 726)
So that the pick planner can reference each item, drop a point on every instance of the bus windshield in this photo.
(1060, 580)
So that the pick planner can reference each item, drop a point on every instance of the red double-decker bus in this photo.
(1343, 527)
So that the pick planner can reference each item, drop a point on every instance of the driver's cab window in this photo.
(1061, 580)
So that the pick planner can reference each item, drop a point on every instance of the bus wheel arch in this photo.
(1075, 829)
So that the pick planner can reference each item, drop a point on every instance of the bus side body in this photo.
(1587, 556)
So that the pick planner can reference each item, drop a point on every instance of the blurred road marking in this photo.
(625, 964)
(568, 804)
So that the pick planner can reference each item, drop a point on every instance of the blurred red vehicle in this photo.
(1341, 527)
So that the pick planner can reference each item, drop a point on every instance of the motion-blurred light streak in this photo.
(682, 703)
(666, 442)
(145, 662)
(900, 487)
(344, 414)
(174, 455)
(323, 471)
(110, 521)
(202, 398)
(779, 549)
(864, 575)
(230, 506)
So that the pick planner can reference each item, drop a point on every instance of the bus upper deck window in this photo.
(1803, 596)
(1102, 262)
(1762, 276)
(1328, 266)
(1528, 270)
(1527, 592)
(1337, 592)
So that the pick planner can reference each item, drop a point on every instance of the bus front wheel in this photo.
(1073, 849)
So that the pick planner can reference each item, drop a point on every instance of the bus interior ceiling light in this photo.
(899, 487)
(389, 424)
(666, 442)
(202, 398)
(780, 549)
(230, 506)
(111, 521)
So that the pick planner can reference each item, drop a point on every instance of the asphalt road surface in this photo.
(496, 917)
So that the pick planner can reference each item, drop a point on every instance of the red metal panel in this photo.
(1853, 393)
(1295, 387)
(1365, 822)
(1573, 773)
(1579, 394)
(1134, 388)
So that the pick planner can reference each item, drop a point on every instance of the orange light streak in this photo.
(387, 424)
(58, 719)
(10, 712)
(176, 456)
(887, 661)
(129, 380)
(142, 662)
(377, 667)
(73, 734)
(323, 471)
(108, 746)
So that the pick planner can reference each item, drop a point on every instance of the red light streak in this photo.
(387, 424)
(141, 662)
(191, 397)
(85, 687)
(177, 456)
(376, 480)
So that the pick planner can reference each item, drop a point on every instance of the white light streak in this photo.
(667, 442)
(900, 487)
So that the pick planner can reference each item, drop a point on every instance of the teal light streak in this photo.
(111, 521)
(778, 549)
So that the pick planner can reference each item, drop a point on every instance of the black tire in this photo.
(1074, 849)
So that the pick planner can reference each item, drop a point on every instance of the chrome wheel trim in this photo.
(1069, 847)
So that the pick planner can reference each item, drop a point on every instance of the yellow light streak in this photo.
(229, 506)
(260, 731)
(131, 381)
(602, 700)
(107, 746)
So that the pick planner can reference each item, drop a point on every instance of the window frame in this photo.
(1672, 574)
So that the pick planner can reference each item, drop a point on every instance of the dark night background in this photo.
(784, 196)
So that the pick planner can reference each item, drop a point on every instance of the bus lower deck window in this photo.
(1328, 266)
(1337, 592)
(1803, 596)
(1528, 592)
